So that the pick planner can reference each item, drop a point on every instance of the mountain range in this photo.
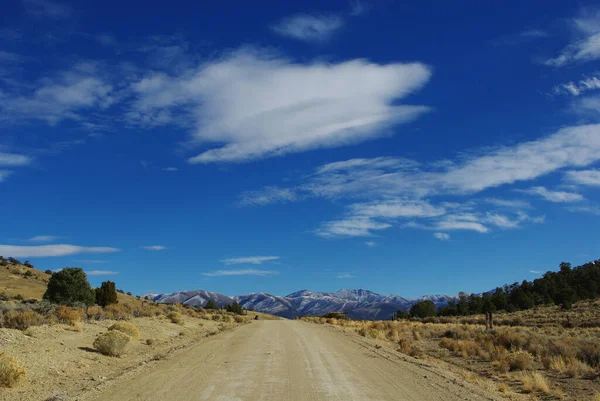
(357, 304)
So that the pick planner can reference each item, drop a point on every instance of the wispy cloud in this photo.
(253, 260)
(591, 209)
(585, 45)
(371, 244)
(92, 261)
(4, 174)
(50, 250)
(154, 247)
(43, 238)
(442, 236)
(170, 169)
(584, 177)
(345, 275)
(259, 104)
(526, 36)
(554, 196)
(309, 28)
(101, 273)
(13, 160)
(577, 88)
(60, 97)
(351, 227)
(536, 271)
(47, 9)
(244, 272)
(400, 190)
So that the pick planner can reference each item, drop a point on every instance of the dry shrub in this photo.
(520, 360)
(502, 387)
(362, 331)
(373, 333)
(112, 343)
(175, 317)
(22, 320)
(404, 346)
(128, 328)
(149, 341)
(239, 319)
(534, 382)
(11, 371)
(95, 313)
(118, 312)
(576, 368)
(67, 315)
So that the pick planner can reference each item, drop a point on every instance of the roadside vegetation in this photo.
(544, 339)
(121, 324)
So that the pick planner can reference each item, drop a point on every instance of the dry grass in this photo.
(175, 317)
(554, 358)
(11, 371)
(21, 320)
(68, 315)
(112, 343)
(128, 328)
(534, 382)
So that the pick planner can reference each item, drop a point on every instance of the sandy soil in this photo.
(60, 359)
(288, 360)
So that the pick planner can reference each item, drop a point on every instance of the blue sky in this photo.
(403, 148)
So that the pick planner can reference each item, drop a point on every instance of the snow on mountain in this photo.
(358, 304)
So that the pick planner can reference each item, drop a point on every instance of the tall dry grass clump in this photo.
(533, 382)
(12, 372)
(67, 315)
(175, 317)
(112, 343)
(126, 327)
(21, 320)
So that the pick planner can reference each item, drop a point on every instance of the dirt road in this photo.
(290, 360)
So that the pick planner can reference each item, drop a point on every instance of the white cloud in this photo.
(268, 195)
(584, 177)
(309, 28)
(509, 203)
(46, 8)
(586, 44)
(591, 209)
(382, 178)
(351, 227)
(371, 244)
(397, 208)
(16, 251)
(101, 273)
(461, 221)
(245, 272)
(11, 159)
(253, 260)
(154, 247)
(442, 236)
(576, 89)
(260, 105)
(554, 196)
(536, 271)
(92, 261)
(345, 275)
(4, 174)
(170, 169)
(59, 98)
(43, 238)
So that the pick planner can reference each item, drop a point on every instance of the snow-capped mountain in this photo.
(358, 304)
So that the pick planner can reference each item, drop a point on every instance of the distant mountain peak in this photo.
(357, 303)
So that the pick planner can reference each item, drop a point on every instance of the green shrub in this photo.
(106, 294)
(69, 286)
